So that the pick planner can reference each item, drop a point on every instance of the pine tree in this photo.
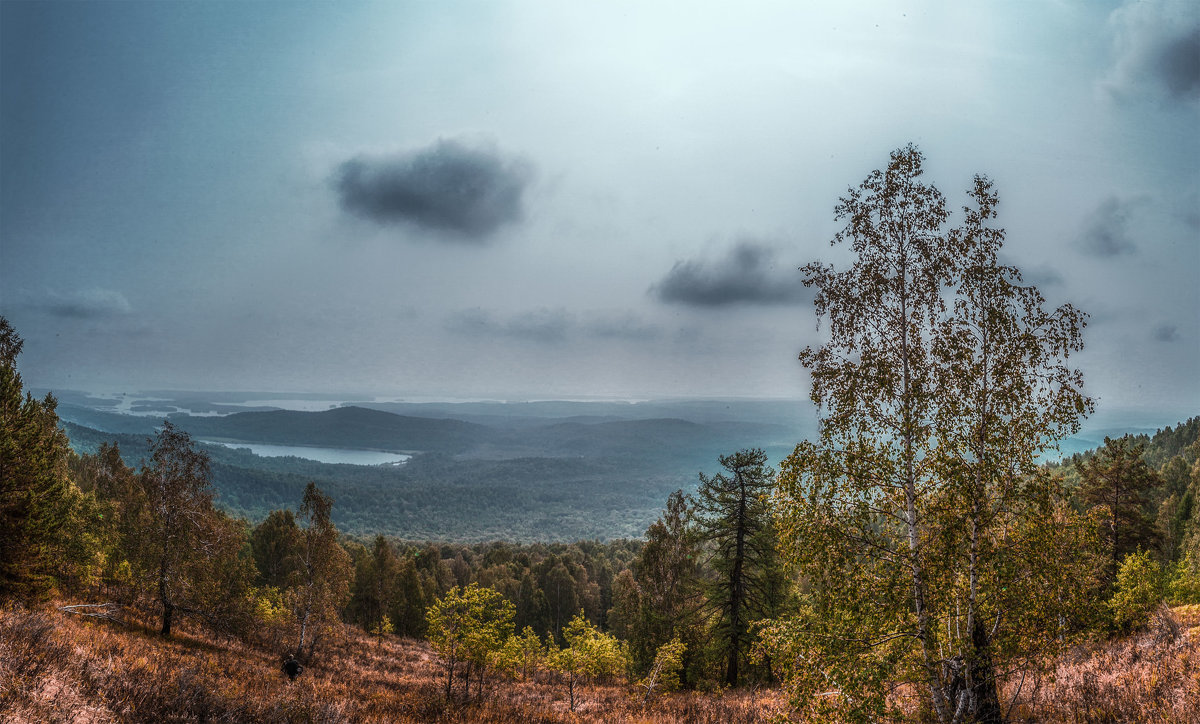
(587, 652)
(376, 586)
(275, 544)
(560, 592)
(734, 517)
(36, 495)
(659, 599)
(1117, 480)
(408, 611)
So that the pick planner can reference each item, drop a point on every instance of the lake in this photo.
(320, 454)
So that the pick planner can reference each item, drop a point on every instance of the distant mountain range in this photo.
(532, 471)
(517, 434)
(552, 470)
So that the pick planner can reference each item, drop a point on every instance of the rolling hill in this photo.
(520, 478)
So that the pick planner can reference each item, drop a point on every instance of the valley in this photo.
(473, 471)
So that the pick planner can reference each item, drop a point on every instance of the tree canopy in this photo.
(919, 517)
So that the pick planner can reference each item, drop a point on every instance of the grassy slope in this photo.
(1150, 677)
(57, 667)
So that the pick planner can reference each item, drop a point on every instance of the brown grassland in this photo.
(56, 667)
(60, 668)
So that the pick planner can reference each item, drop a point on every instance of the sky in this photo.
(533, 200)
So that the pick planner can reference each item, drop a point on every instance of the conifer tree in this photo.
(659, 599)
(275, 544)
(408, 611)
(1118, 481)
(375, 586)
(560, 593)
(734, 517)
(530, 651)
(587, 652)
(36, 495)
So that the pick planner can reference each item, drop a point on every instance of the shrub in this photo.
(1138, 592)
(1184, 586)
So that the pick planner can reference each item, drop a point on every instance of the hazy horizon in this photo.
(1105, 419)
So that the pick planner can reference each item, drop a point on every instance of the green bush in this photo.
(1138, 592)
(1183, 586)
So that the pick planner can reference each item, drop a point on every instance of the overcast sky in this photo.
(546, 199)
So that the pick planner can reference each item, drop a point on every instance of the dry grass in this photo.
(1151, 677)
(61, 668)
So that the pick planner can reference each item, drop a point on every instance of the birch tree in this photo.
(940, 384)
(321, 583)
(1005, 394)
(178, 512)
(466, 626)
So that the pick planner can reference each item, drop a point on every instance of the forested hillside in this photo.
(542, 478)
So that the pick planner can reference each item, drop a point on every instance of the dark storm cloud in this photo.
(1179, 65)
(469, 192)
(747, 275)
(1106, 233)
(1156, 50)
(1165, 333)
(81, 304)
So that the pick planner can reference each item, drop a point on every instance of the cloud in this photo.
(539, 325)
(621, 326)
(1156, 50)
(462, 191)
(1106, 233)
(1042, 275)
(747, 275)
(1179, 65)
(1165, 333)
(94, 303)
(1189, 211)
(552, 325)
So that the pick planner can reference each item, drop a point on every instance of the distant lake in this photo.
(333, 455)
